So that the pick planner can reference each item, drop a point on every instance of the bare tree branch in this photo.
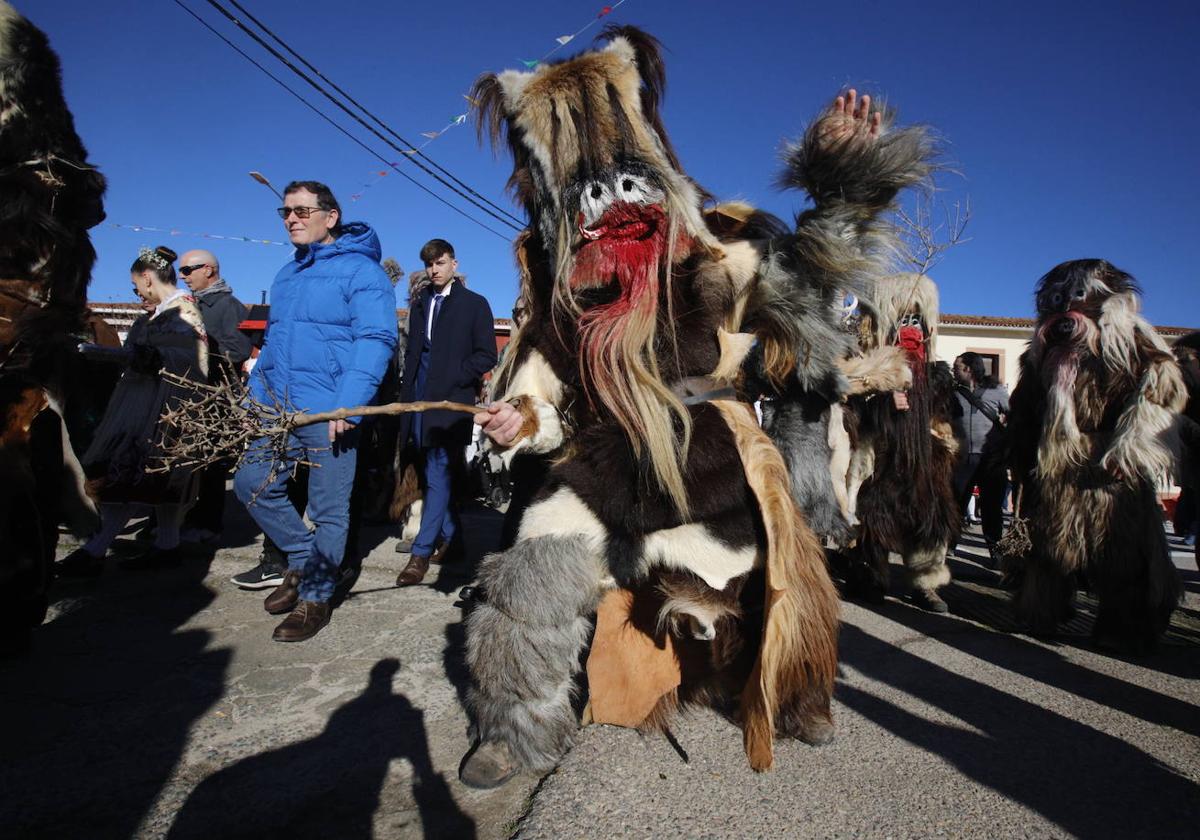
(926, 241)
(220, 422)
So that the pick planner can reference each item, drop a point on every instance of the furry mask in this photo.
(1086, 308)
(904, 295)
(593, 166)
(612, 219)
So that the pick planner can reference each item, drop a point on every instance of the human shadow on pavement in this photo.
(94, 721)
(1088, 782)
(329, 785)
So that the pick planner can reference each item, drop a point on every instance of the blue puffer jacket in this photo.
(332, 328)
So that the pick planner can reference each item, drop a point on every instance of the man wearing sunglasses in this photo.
(221, 313)
(330, 335)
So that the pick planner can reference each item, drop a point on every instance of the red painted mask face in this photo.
(912, 340)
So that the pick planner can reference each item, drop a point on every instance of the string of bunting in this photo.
(459, 119)
(177, 232)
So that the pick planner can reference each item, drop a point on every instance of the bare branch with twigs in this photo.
(220, 422)
(926, 241)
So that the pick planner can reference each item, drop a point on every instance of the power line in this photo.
(340, 128)
(258, 39)
(413, 149)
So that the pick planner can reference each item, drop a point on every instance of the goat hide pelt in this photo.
(648, 324)
(1094, 427)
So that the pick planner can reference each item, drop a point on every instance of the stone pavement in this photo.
(155, 704)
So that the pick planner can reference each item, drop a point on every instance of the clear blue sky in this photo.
(1074, 125)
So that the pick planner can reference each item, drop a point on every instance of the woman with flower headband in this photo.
(169, 337)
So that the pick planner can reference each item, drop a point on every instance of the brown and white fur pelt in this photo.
(901, 474)
(638, 309)
(49, 197)
(1094, 426)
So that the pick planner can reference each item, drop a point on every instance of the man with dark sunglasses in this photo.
(229, 348)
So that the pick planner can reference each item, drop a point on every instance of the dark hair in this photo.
(979, 375)
(154, 261)
(325, 199)
(435, 249)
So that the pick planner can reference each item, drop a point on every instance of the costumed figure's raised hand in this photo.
(850, 120)
(900, 400)
(501, 421)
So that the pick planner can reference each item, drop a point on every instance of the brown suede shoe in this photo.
(414, 572)
(283, 597)
(304, 622)
(488, 765)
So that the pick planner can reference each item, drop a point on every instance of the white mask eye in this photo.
(1080, 293)
(636, 189)
(594, 201)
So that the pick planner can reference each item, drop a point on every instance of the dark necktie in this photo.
(437, 308)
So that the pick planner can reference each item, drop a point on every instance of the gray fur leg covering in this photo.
(927, 568)
(523, 645)
(798, 425)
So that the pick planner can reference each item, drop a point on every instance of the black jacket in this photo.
(464, 349)
(222, 313)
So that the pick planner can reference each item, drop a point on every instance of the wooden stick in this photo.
(387, 408)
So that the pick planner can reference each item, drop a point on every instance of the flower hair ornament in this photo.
(153, 257)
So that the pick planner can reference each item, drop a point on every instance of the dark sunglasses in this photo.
(186, 270)
(301, 212)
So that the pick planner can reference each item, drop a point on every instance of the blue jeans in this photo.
(437, 520)
(316, 555)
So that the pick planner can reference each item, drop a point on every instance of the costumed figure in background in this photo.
(1094, 427)
(908, 443)
(49, 197)
(667, 510)
(169, 337)
(1187, 510)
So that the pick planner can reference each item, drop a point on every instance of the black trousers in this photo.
(209, 510)
(988, 473)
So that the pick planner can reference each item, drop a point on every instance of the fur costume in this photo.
(906, 458)
(50, 197)
(1093, 426)
(638, 309)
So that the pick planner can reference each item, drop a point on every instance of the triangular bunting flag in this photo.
(564, 39)
(529, 65)
(474, 102)
(459, 120)
(430, 134)
(604, 11)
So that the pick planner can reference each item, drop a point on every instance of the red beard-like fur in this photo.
(630, 246)
(632, 252)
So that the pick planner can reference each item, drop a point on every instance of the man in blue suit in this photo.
(451, 345)
(331, 333)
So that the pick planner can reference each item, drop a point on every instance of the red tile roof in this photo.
(948, 319)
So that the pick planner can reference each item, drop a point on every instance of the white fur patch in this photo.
(563, 515)
(535, 379)
(693, 548)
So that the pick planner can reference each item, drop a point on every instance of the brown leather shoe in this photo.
(304, 622)
(414, 572)
(283, 597)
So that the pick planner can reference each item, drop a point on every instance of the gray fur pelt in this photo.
(798, 425)
(839, 246)
(524, 642)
